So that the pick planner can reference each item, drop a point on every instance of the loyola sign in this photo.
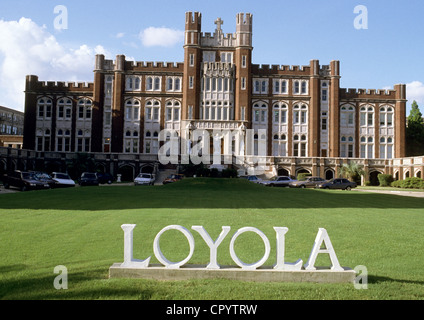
(321, 239)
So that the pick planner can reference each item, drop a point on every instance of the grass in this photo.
(80, 229)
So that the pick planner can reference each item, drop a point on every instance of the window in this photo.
(190, 82)
(83, 141)
(279, 145)
(131, 141)
(191, 60)
(227, 57)
(63, 140)
(300, 114)
(280, 113)
(84, 109)
(347, 147)
(386, 147)
(300, 87)
(347, 116)
(152, 111)
(260, 111)
(243, 83)
(367, 116)
(280, 86)
(153, 83)
(208, 56)
(43, 140)
(260, 86)
(151, 142)
(386, 116)
(299, 146)
(64, 109)
(132, 110)
(243, 61)
(172, 112)
(132, 83)
(367, 147)
(44, 107)
(324, 95)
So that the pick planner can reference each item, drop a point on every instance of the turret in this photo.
(244, 29)
(193, 28)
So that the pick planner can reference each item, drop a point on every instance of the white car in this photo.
(63, 180)
(279, 181)
(144, 179)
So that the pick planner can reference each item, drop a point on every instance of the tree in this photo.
(415, 132)
(352, 170)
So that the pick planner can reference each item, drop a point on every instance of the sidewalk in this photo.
(417, 194)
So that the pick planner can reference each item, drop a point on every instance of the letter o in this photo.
(257, 264)
(159, 255)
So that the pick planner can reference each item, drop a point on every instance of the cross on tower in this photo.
(218, 23)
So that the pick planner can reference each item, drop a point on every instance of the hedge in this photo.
(409, 183)
(385, 180)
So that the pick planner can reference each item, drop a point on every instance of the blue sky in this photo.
(390, 51)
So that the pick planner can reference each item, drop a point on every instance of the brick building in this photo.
(301, 119)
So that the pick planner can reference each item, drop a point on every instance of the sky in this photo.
(379, 44)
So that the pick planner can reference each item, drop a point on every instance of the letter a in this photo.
(61, 21)
(61, 281)
(361, 21)
(322, 237)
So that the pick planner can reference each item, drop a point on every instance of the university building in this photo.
(298, 117)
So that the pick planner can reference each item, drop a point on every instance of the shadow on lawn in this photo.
(79, 288)
(202, 193)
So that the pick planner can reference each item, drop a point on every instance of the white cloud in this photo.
(415, 91)
(119, 35)
(163, 37)
(27, 48)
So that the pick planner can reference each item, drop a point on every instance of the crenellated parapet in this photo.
(268, 70)
(368, 94)
(33, 84)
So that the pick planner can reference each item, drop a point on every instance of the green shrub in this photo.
(385, 179)
(409, 183)
(302, 176)
(367, 183)
(229, 173)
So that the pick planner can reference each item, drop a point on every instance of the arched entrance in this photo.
(283, 172)
(127, 172)
(373, 178)
(329, 174)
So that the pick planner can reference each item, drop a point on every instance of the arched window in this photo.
(173, 111)
(367, 147)
(367, 116)
(260, 112)
(132, 110)
(386, 116)
(386, 148)
(279, 145)
(152, 111)
(300, 114)
(84, 109)
(347, 147)
(347, 116)
(64, 109)
(44, 108)
(280, 113)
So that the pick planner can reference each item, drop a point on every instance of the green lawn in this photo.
(80, 229)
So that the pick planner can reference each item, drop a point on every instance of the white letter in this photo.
(200, 151)
(257, 264)
(61, 278)
(361, 21)
(159, 255)
(280, 265)
(213, 246)
(61, 21)
(361, 280)
(129, 262)
(321, 237)
(168, 153)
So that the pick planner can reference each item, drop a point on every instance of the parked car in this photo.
(46, 178)
(278, 181)
(251, 178)
(63, 180)
(104, 178)
(88, 179)
(338, 183)
(173, 178)
(24, 181)
(144, 179)
(310, 182)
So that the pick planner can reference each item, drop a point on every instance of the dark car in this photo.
(46, 178)
(251, 178)
(104, 178)
(309, 182)
(338, 183)
(173, 178)
(88, 179)
(24, 181)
